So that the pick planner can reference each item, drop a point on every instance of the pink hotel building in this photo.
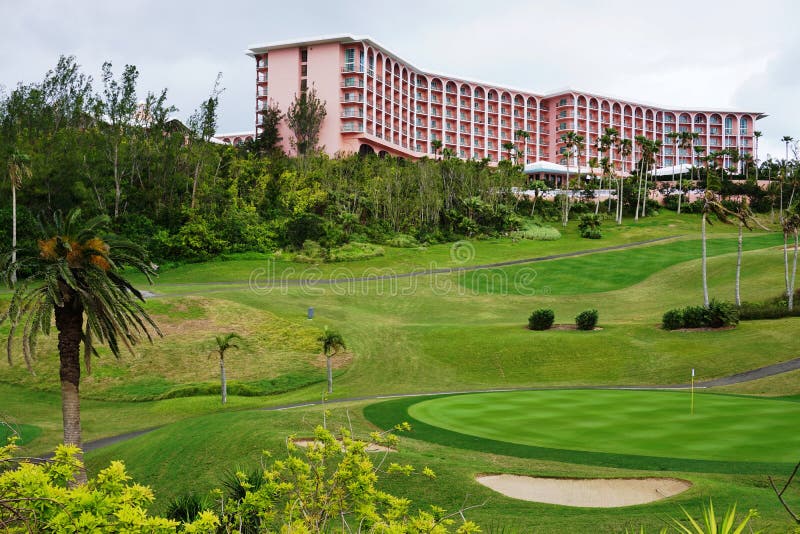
(379, 102)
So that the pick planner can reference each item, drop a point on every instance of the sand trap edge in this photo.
(585, 492)
(372, 447)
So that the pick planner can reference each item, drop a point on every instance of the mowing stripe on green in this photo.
(632, 429)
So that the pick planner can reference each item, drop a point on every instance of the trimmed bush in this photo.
(720, 314)
(586, 320)
(541, 319)
(694, 317)
(672, 320)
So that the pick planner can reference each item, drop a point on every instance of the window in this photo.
(303, 55)
(350, 59)
(728, 125)
(743, 126)
(360, 61)
(350, 81)
(303, 85)
(304, 70)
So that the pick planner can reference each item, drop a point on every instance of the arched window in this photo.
(743, 126)
(728, 125)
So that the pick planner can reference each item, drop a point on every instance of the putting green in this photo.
(644, 423)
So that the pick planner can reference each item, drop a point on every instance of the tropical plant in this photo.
(625, 148)
(573, 143)
(745, 217)
(589, 226)
(224, 344)
(711, 524)
(74, 273)
(711, 206)
(522, 134)
(332, 342)
(436, 144)
(509, 148)
(790, 224)
(19, 171)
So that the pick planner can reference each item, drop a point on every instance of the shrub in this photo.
(586, 320)
(402, 241)
(694, 317)
(721, 314)
(672, 320)
(541, 319)
(186, 508)
(589, 226)
(538, 233)
(355, 251)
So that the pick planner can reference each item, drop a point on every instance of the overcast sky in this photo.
(714, 54)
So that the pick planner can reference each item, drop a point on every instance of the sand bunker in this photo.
(586, 492)
(372, 447)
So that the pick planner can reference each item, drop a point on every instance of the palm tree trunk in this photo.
(13, 234)
(69, 322)
(639, 189)
(794, 273)
(705, 263)
(786, 264)
(597, 204)
(330, 373)
(739, 265)
(223, 380)
(680, 191)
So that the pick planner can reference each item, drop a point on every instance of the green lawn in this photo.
(644, 423)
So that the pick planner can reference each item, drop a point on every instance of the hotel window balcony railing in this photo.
(353, 83)
(743, 132)
(352, 68)
(352, 114)
(715, 120)
(263, 91)
(350, 97)
(451, 91)
(728, 131)
(352, 127)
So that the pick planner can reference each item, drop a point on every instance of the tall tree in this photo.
(436, 145)
(18, 172)
(304, 117)
(75, 273)
(115, 114)
(224, 344)
(270, 137)
(744, 216)
(203, 124)
(522, 134)
(332, 342)
(625, 149)
(790, 224)
(756, 135)
(711, 206)
(509, 147)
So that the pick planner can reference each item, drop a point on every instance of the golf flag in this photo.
(691, 408)
(692, 372)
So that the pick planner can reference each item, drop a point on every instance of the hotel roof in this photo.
(347, 38)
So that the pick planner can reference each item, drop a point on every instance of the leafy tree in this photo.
(304, 118)
(203, 124)
(332, 342)
(509, 147)
(270, 137)
(224, 343)
(436, 144)
(74, 273)
(18, 172)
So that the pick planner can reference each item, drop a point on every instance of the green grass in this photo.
(24, 433)
(644, 423)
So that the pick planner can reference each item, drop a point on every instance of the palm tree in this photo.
(593, 165)
(224, 343)
(522, 134)
(655, 148)
(744, 216)
(18, 171)
(625, 149)
(711, 206)
(74, 273)
(644, 148)
(685, 142)
(757, 135)
(572, 142)
(332, 342)
(790, 225)
(509, 146)
(436, 144)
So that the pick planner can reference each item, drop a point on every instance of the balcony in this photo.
(347, 68)
(350, 97)
(352, 114)
(352, 83)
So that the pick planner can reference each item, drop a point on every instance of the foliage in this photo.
(586, 320)
(330, 483)
(538, 233)
(718, 315)
(541, 319)
(589, 226)
(711, 524)
(774, 308)
(304, 117)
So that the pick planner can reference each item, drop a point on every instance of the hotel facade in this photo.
(379, 102)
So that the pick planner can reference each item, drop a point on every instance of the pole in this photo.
(692, 396)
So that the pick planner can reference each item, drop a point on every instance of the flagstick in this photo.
(692, 403)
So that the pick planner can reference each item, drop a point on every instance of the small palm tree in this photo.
(18, 171)
(711, 206)
(522, 134)
(625, 149)
(436, 144)
(74, 273)
(791, 226)
(509, 147)
(744, 216)
(224, 343)
(332, 342)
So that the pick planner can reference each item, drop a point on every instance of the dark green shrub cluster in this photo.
(541, 319)
(586, 320)
(774, 308)
(589, 226)
(718, 315)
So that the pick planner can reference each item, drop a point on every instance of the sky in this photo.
(699, 54)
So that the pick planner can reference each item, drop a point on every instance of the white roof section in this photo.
(236, 134)
(683, 168)
(554, 168)
(347, 38)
